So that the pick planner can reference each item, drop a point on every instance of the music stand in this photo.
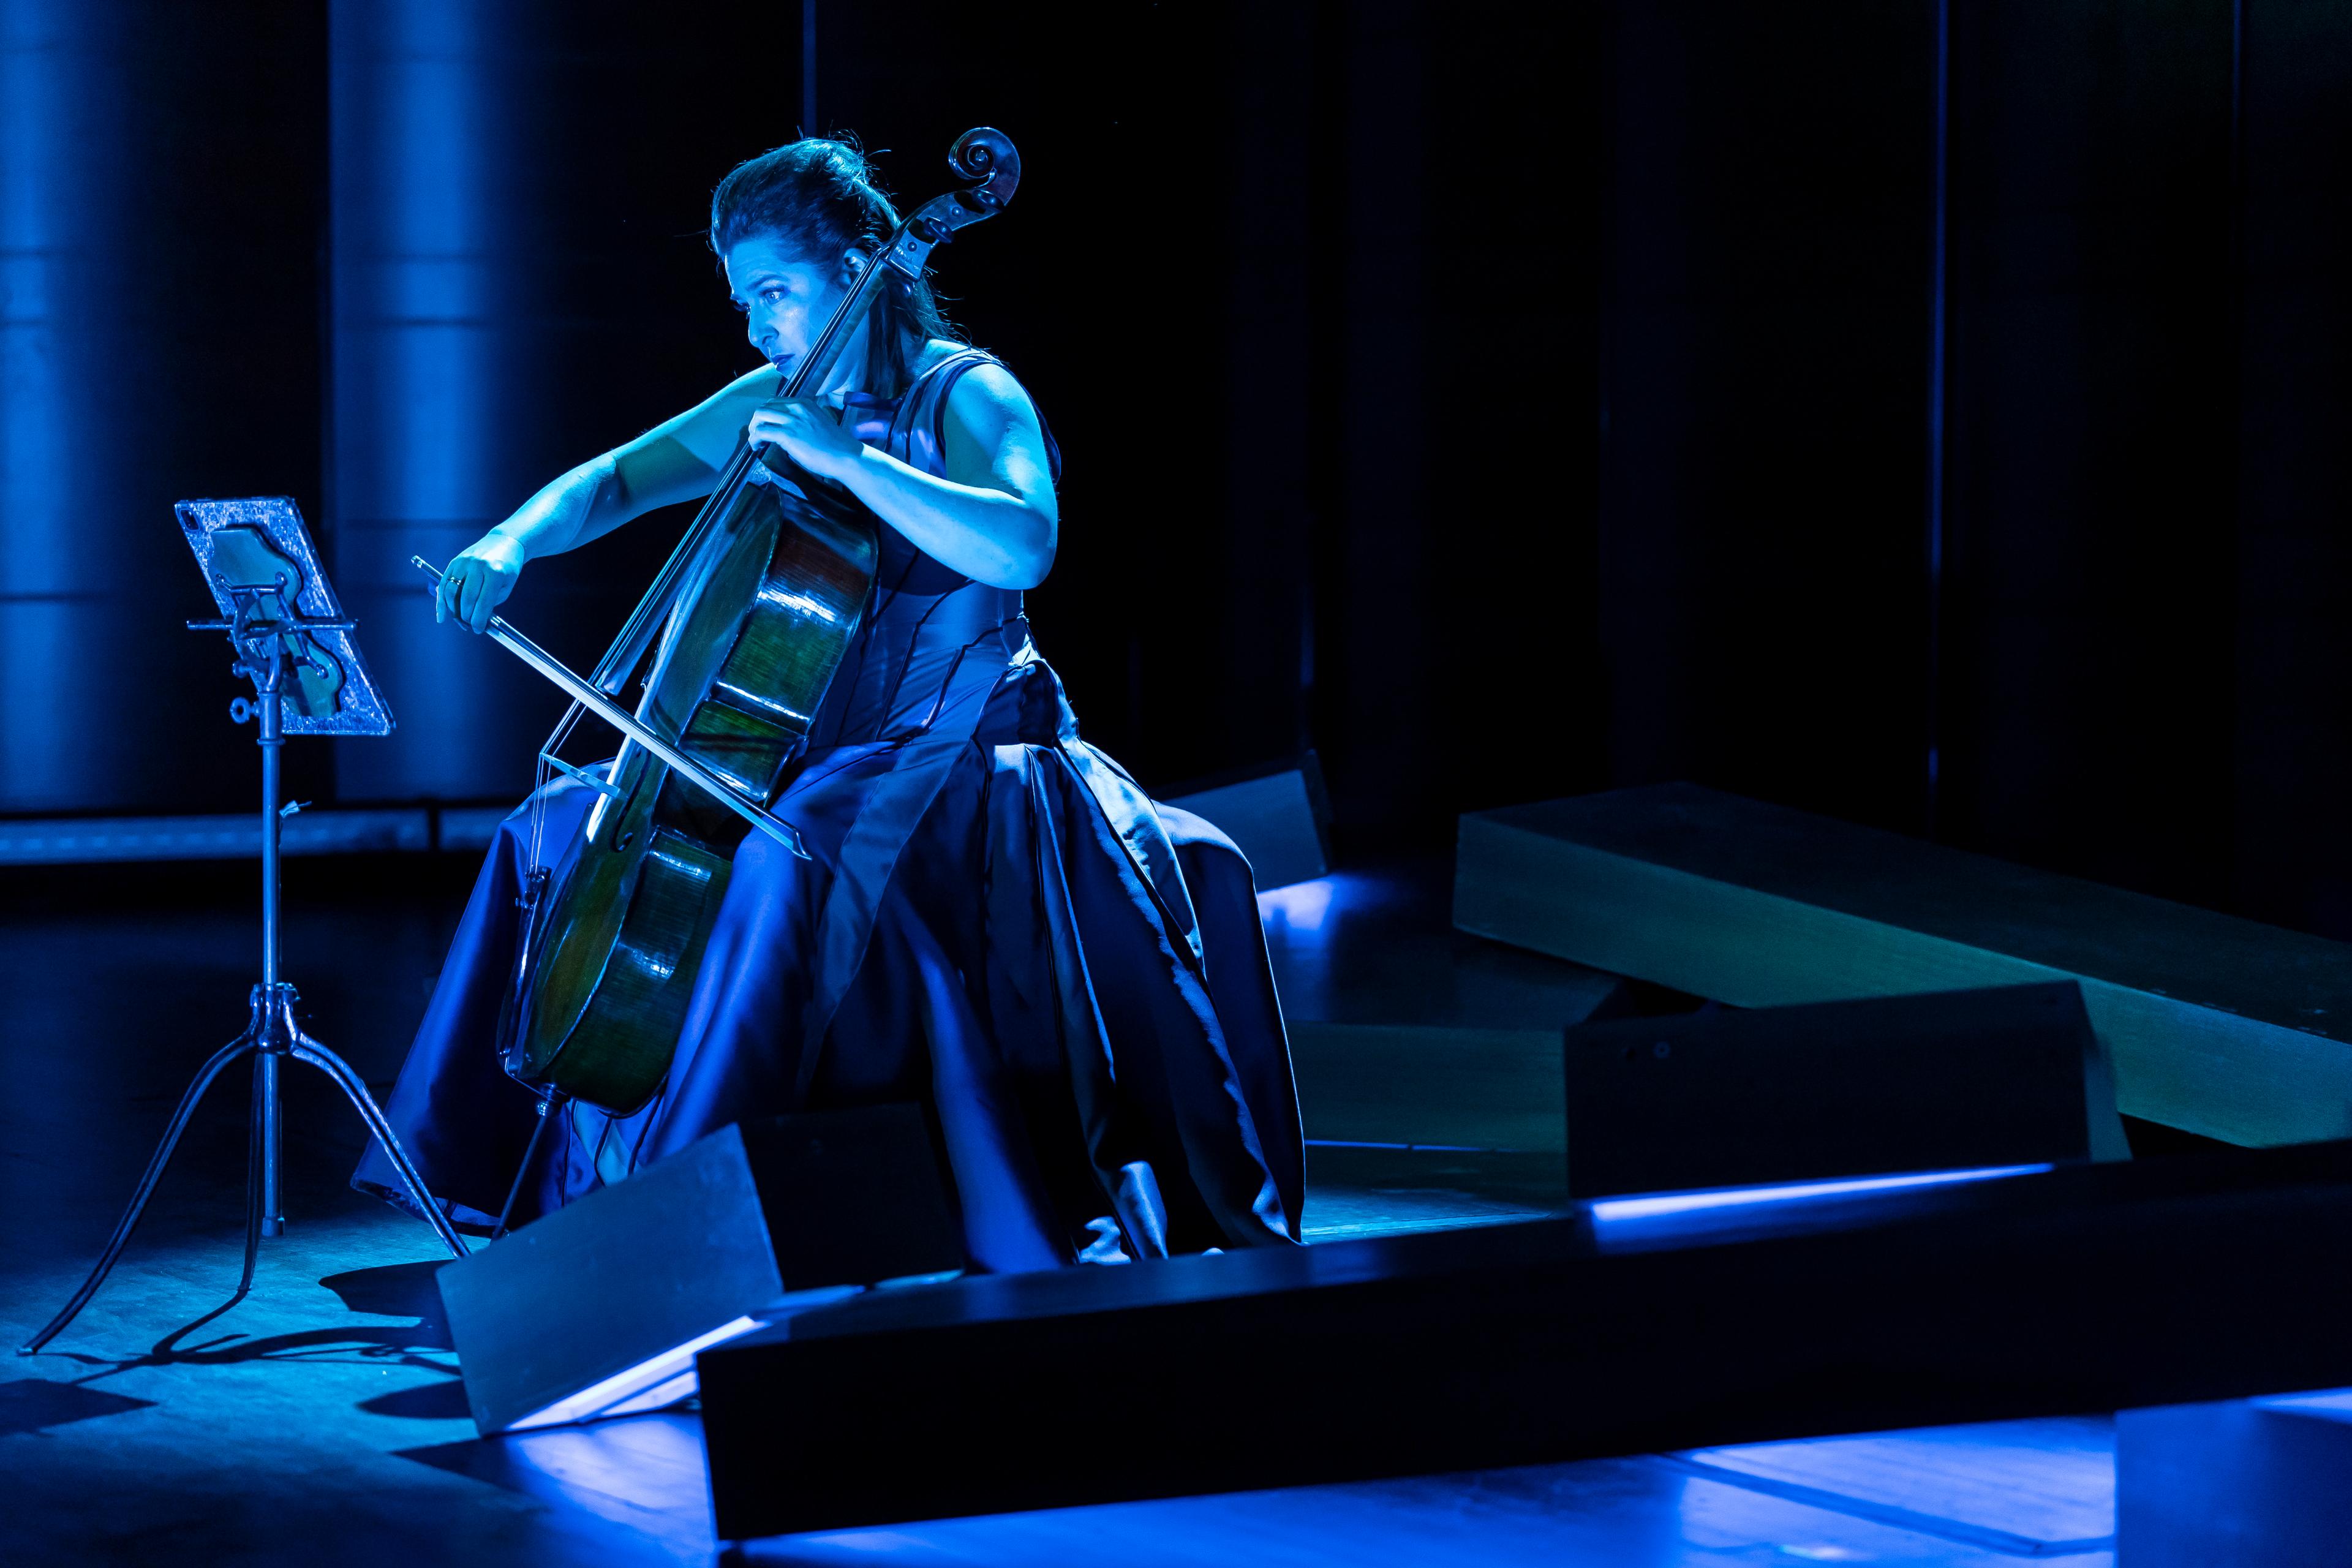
(294, 643)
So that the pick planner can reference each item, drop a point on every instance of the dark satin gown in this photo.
(996, 923)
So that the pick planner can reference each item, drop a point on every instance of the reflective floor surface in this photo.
(321, 1420)
(1378, 946)
(1973, 1496)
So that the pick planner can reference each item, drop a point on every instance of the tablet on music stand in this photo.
(257, 560)
(294, 643)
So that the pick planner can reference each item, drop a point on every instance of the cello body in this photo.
(745, 628)
(739, 678)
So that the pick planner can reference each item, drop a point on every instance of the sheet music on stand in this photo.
(294, 643)
(259, 560)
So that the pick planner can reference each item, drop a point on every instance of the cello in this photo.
(744, 626)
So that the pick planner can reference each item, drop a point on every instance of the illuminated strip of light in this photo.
(1612, 1210)
(599, 1397)
(659, 1396)
(763, 703)
(771, 594)
(694, 869)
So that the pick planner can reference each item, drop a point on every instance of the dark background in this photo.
(1505, 401)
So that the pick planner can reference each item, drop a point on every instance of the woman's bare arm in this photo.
(677, 460)
(993, 518)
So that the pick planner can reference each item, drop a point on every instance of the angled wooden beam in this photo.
(2219, 1025)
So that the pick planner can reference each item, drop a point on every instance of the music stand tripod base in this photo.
(279, 625)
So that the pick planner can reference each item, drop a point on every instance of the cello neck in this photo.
(840, 328)
(983, 154)
(628, 650)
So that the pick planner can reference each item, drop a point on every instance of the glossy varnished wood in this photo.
(735, 686)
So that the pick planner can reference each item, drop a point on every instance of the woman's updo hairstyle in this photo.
(818, 198)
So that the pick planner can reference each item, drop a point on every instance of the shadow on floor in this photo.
(35, 1405)
(398, 1290)
(402, 1345)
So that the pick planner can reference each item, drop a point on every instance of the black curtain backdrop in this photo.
(1767, 230)
(2289, 736)
(2089, 658)
(1308, 294)
(2138, 669)
(1505, 401)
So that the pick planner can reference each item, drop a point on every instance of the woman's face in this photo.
(785, 298)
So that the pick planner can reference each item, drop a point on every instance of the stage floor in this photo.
(322, 1419)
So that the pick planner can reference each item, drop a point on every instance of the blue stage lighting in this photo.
(426, 403)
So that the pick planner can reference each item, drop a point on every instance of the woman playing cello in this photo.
(992, 920)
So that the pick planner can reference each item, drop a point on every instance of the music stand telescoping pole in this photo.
(294, 643)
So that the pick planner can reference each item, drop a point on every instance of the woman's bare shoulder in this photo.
(988, 390)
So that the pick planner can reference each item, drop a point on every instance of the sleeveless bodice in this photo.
(930, 634)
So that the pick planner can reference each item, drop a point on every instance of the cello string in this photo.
(636, 633)
(862, 300)
(541, 774)
(906, 253)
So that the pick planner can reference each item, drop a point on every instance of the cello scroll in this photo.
(982, 153)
